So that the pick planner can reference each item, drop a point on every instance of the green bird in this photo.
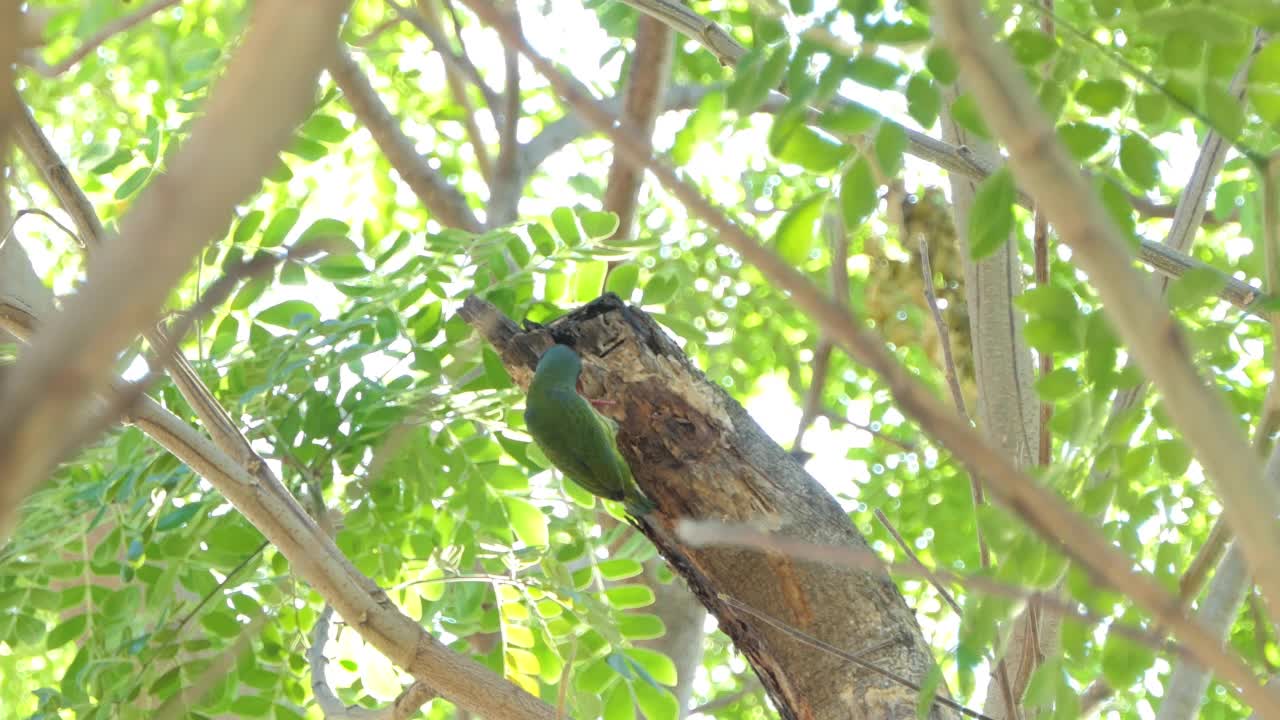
(579, 441)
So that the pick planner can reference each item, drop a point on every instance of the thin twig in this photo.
(944, 337)
(854, 657)
(108, 31)
(902, 543)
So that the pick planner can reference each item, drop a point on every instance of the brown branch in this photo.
(55, 174)
(650, 70)
(437, 195)
(1040, 241)
(1042, 509)
(108, 31)
(221, 164)
(505, 191)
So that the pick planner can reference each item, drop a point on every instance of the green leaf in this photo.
(1031, 47)
(1209, 22)
(279, 227)
(942, 65)
(1151, 108)
(247, 226)
(1139, 160)
(622, 280)
(874, 72)
(658, 666)
(66, 631)
(991, 219)
(618, 705)
(1042, 688)
(598, 225)
(288, 314)
(1102, 96)
(528, 522)
(661, 288)
(798, 230)
(891, 143)
(176, 518)
(656, 703)
(1124, 661)
(1060, 383)
(1083, 139)
(566, 224)
(813, 150)
(928, 691)
(619, 568)
(133, 184)
(325, 128)
(1174, 457)
(858, 193)
(627, 597)
(542, 239)
(641, 627)
(965, 112)
(588, 280)
(924, 102)
(849, 118)
(702, 127)
(1195, 286)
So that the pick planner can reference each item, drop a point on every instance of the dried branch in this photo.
(108, 31)
(453, 75)
(436, 194)
(1153, 336)
(1043, 510)
(855, 657)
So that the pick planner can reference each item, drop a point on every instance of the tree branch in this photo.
(650, 70)
(436, 194)
(1152, 335)
(228, 153)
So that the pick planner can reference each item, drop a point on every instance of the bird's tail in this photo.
(636, 503)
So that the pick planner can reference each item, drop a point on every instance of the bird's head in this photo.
(559, 364)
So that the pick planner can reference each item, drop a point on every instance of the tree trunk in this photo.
(697, 454)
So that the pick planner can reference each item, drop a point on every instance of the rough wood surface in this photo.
(697, 454)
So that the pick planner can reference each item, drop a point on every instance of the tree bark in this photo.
(697, 454)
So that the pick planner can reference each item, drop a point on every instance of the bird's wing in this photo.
(580, 443)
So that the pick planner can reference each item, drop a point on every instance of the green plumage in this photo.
(579, 441)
